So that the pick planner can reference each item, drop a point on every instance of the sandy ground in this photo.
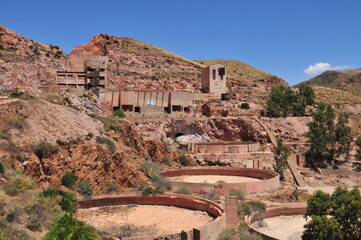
(212, 179)
(141, 220)
(283, 227)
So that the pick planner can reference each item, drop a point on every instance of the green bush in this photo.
(68, 202)
(161, 181)
(212, 195)
(244, 106)
(74, 107)
(244, 209)
(148, 190)
(119, 113)
(68, 179)
(150, 168)
(243, 226)
(112, 187)
(18, 184)
(238, 193)
(106, 141)
(257, 206)
(69, 227)
(183, 190)
(84, 188)
(166, 160)
(43, 149)
(15, 122)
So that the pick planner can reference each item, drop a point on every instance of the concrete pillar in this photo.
(231, 206)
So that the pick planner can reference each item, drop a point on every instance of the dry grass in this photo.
(336, 96)
(137, 47)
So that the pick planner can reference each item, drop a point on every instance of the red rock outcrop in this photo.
(26, 64)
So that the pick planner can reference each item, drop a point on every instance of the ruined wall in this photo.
(270, 180)
(210, 231)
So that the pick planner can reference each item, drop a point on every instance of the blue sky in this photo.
(283, 37)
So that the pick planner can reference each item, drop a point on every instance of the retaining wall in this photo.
(269, 180)
(286, 210)
(221, 147)
(210, 231)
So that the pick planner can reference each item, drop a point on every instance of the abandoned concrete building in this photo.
(87, 72)
(159, 102)
(214, 79)
(152, 102)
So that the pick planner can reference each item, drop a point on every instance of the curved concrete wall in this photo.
(269, 180)
(209, 231)
(286, 210)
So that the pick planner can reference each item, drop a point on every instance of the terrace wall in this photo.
(286, 210)
(270, 180)
(210, 231)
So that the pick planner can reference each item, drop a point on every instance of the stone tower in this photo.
(214, 79)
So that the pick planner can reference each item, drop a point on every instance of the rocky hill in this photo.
(142, 65)
(26, 64)
(335, 78)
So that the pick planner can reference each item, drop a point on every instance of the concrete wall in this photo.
(208, 232)
(225, 147)
(270, 180)
(286, 210)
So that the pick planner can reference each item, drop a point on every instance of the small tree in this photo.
(43, 149)
(335, 216)
(281, 153)
(327, 139)
(322, 228)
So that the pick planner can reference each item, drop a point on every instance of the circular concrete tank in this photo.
(282, 222)
(185, 213)
(223, 179)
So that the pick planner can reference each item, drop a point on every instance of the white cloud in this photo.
(321, 67)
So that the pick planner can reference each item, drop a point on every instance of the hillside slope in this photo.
(335, 78)
(26, 64)
(136, 64)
